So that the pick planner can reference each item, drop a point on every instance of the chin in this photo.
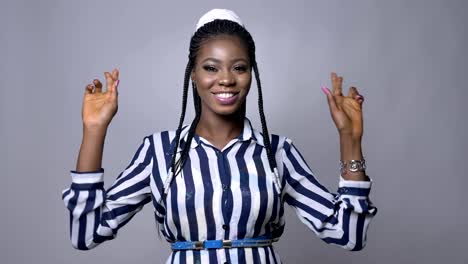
(223, 110)
(226, 111)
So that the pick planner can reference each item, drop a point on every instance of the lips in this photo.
(226, 98)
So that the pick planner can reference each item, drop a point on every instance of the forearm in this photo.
(92, 145)
(350, 148)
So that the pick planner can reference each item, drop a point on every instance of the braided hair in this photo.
(207, 31)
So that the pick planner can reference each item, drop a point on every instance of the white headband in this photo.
(218, 14)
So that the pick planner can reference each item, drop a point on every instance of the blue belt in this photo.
(261, 241)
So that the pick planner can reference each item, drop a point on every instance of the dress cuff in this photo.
(350, 187)
(83, 178)
(356, 184)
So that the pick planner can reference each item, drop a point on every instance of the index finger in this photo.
(336, 83)
(109, 81)
(115, 74)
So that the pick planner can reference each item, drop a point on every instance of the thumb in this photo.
(330, 98)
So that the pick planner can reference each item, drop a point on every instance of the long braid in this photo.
(184, 154)
(188, 70)
(266, 138)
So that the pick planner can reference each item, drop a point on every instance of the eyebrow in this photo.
(219, 61)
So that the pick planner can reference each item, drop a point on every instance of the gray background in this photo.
(408, 58)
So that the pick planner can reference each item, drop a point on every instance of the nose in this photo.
(227, 79)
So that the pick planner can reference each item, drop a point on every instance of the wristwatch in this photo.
(354, 165)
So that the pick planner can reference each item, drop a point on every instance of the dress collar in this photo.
(248, 133)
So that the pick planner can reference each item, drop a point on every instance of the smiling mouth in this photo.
(224, 95)
(226, 98)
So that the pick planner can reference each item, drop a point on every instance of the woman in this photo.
(218, 186)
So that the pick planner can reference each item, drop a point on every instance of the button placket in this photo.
(225, 183)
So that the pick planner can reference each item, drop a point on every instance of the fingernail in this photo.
(117, 83)
(325, 90)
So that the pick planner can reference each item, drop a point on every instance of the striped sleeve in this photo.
(97, 214)
(342, 218)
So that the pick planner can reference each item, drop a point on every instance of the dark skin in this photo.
(222, 65)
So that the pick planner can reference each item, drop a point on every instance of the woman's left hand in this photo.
(346, 111)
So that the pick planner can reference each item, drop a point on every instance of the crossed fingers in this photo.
(337, 84)
(111, 81)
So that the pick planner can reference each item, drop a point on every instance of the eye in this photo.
(209, 68)
(241, 68)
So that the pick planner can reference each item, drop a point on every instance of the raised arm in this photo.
(338, 218)
(97, 214)
(342, 218)
(98, 109)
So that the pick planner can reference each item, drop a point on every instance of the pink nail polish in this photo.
(325, 90)
(117, 83)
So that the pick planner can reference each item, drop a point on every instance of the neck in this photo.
(220, 128)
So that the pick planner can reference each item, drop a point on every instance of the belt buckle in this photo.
(265, 243)
(227, 243)
(199, 245)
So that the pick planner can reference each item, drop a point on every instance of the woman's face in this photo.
(222, 74)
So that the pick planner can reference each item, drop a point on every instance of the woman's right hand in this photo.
(100, 107)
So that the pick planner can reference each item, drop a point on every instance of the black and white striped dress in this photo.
(221, 194)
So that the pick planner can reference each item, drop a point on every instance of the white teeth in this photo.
(225, 95)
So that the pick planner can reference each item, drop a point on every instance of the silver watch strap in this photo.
(354, 165)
